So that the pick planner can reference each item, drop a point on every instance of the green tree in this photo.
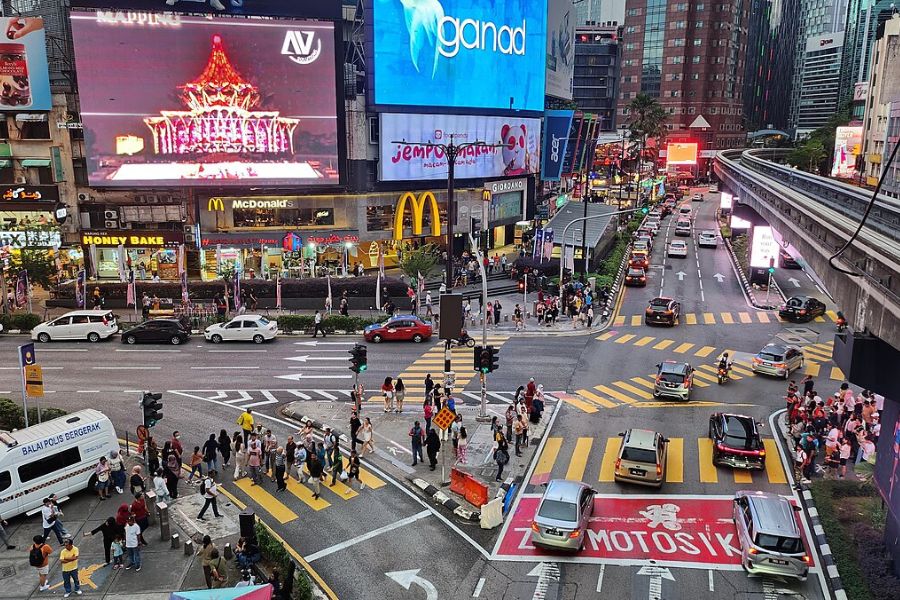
(39, 264)
(647, 121)
(809, 155)
(418, 261)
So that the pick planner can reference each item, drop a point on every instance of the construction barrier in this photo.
(492, 514)
(476, 492)
(458, 482)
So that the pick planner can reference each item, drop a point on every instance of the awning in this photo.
(36, 162)
(5, 164)
(575, 210)
(31, 117)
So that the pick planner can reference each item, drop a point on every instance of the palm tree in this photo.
(648, 120)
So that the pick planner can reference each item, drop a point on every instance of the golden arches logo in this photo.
(418, 213)
(215, 204)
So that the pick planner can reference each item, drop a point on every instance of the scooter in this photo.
(723, 375)
(464, 340)
(841, 323)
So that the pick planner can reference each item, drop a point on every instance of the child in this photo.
(462, 445)
(196, 460)
(118, 552)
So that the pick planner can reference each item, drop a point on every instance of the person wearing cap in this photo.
(68, 556)
(50, 519)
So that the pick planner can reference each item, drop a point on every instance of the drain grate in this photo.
(7, 571)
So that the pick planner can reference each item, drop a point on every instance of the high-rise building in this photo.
(883, 103)
(863, 19)
(597, 72)
(771, 42)
(600, 11)
(690, 56)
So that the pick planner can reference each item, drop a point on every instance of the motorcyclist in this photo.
(724, 364)
(841, 321)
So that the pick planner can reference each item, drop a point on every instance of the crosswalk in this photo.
(432, 361)
(688, 460)
(637, 392)
(721, 318)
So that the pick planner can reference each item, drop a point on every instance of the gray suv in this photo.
(770, 538)
(673, 380)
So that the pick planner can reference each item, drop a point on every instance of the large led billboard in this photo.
(486, 54)
(847, 147)
(309, 9)
(560, 48)
(681, 153)
(763, 248)
(402, 155)
(181, 100)
(24, 77)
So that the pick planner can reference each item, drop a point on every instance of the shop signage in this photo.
(29, 193)
(332, 239)
(418, 213)
(510, 185)
(241, 239)
(268, 204)
(132, 239)
(557, 124)
(30, 239)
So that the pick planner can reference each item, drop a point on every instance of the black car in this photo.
(157, 331)
(787, 261)
(636, 277)
(736, 441)
(801, 309)
(663, 311)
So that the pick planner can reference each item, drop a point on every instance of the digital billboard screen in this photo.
(847, 147)
(763, 248)
(560, 48)
(309, 9)
(180, 100)
(681, 153)
(24, 77)
(486, 54)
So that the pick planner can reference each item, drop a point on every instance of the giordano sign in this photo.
(419, 204)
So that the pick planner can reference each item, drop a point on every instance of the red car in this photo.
(639, 260)
(399, 327)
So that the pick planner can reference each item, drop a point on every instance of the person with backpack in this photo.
(417, 440)
(210, 455)
(501, 454)
(39, 558)
(329, 440)
(337, 465)
(209, 490)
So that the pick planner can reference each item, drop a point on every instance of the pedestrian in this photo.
(141, 514)
(501, 454)
(429, 305)
(316, 472)
(519, 430)
(101, 473)
(50, 519)
(429, 387)
(353, 468)
(530, 391)
(136, 483)
(117, 547)
(337, 465)
(254, 458)
(503, 263)
(497, 309)
(145, 303)
(301, 457)
(68, 556)
(176, 444)
(270, 445)
(510, 419)
(844, 453)
(217, 569)
(462, 446)
(590, 315)
(133, 544)
(537, 406)
(517, 317)
(387, 391)
(489, 313)
(209, 491)
(152, 455)
(196, 465)
(223, 445)
(210, 455)
(240, 455)
(368, 437)
(808, 384)
(454, 432)
(328, 441)
(117, 470)
(159, 487)
(206, 548)
(246, 423)
(432, 446)
(39, 558)
(317, 325)
(399, 394)
(428, 411)
(417, 440)
(355, 425)
(280, 469)
(4, 536)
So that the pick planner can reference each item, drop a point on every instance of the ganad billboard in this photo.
(180, 100)
(847, 147)
(560, 48)
(414, 157)
(309, 9)
(486, 54)
(24, 77)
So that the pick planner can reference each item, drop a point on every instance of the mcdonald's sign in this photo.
(419, 204)
(215, 204)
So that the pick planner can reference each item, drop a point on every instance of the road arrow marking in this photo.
(299, 376)
(317, 343)
(407, 578)
(680, 275)
(392, 450)
(304, 358)
(656, 574)
(719, 277)
(546, 574)
(794, 281)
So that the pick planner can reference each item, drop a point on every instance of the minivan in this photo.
(642, 457)
(770, 538)
(90, 325)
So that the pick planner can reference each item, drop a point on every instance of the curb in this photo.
(444, 500)
(745, 283)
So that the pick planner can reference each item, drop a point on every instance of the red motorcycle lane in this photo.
(675, 529)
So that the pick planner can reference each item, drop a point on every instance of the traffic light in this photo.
(480, 358)
(152, 406)
(645, 206)
(771, 266)
(494, 361)
(521, 285)
(358, 358)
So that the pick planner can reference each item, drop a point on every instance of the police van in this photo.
(55, 457)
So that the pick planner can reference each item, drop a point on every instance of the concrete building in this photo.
(863, 19)
(820, 78)
(597, 72)
(690, 56)
(882, 104)
(600, 11)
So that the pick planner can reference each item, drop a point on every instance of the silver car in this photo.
(770, 538)
(707, 239)
(678, 248)
(562, 517)
(779, 360)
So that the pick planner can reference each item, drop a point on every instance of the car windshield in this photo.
(738, 434)
(682, 224)
(635, 273)
(776, 543)
(771, 356)
(671, 377)
(558, 510)
(641, 455)
(659, 304)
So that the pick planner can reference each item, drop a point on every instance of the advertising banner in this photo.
(847, 147)
(29, 193)
(557, 124)
(207, 101)
(763, 248)
(520, 154)
(507, 204)
(459, 53)
(681, 153)
(560, 48)
(309, 9)
(132, 238)
(24, 75)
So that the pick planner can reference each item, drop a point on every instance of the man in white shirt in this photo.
(210, 491)
(50, 520)
(317, 327)
(132, 543)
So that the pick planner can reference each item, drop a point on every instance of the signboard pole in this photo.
(24, 395)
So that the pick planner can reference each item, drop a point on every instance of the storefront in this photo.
(507, 212)
(150, 254)
(27, 222)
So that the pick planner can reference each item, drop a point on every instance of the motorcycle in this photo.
(723, 375)
(841, 323)
(464, 340)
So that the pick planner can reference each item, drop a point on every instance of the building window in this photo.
(700, 7)
(633, 12)
(629, 47)
(691, 110)
(674, 93)
(695, 60)
(35, 130)
(676, 60)
(698, 25)
(677, 42)
(631, 29)
(695, 76)
(698, 41)
(44, 175)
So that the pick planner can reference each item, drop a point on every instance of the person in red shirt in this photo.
(176, 444)
(140, 514)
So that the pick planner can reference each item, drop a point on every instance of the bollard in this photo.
(162, 510)
(176, 541)
(227, 552)
(188, 547)
(150, 500)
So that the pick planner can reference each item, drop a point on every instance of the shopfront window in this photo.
(380, 218)
(283, 217)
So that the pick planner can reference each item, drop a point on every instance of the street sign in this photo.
(34, 381)
(444, 419)
(26, 354)
(142, 433)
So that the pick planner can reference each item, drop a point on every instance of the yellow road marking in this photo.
(641, 381)
(630, 388)
(608, 464)
(548, 457)
(619, 321)
(644, 341)
(615, 394)
(690, 319)
(691, 404)
(607, 335)
(708, 471)
(742, 370)
(370, 480)
(745, 317)
(625, 338)
(267, 501)
(709, 319)
(832, 315)
(306, 496)
(635, 320)
(597, 399)
(774, 469)
(819, 319)
(681, 349)
(812, 368)
(705, 351)
(663, 344)
(762, 317)
(741, 476)
(578, 463)
(837, 374)
(701, 384)
(726, 318)
(706, 376)
(675, 461)
(818, 355)
(581, 404)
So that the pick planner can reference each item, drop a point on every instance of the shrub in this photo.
(12, 416)
(273, 551)
(331, 322)
(24, 321)
(739, 246)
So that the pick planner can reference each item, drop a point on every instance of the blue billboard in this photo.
(484, 54)
(557, 124)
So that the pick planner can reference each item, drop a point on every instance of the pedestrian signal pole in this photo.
(482, 411)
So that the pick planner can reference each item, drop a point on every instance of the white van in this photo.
(90, 325)
(55, 457)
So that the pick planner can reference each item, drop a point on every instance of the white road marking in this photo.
(299, 376)
(299, 394)
(327, 395)
(237, 351)
(87, 391)
(366, 536)
(234, 368)
(712, 585)
(116, 368)
(62, 349)
(600, 578)
(477, 592)
(145, 351)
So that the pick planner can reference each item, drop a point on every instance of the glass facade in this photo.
(654, 36)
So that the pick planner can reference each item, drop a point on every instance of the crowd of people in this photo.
(843, 428)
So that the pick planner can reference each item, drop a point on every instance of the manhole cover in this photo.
(805, 331)
(793, 339)
(7, 571)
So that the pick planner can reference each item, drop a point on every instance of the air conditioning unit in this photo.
(82, 197)
(189, 238)
(140, 199)
(111, 224)
(188, 229)
(111, 215)
(20, 179)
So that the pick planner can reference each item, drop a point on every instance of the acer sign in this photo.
(206, 101)
(459, 53)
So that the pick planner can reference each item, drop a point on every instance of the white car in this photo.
(652, 225)
(714, 188)
(707, 239)
(685, 212)
(683, 227)
(90, 325)
(697, 198)
(678, 248)
(242, 328)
